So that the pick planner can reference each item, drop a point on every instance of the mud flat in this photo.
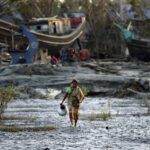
(126, 129)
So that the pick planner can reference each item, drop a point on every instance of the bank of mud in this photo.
(99, 77)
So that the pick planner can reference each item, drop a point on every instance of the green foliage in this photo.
(145, 3)
(42, 8)
(102, 37)
(6, 95)
(85, 90)
(147, 104)
(139, 3)
(93, 117)
(105, 114)
(136, 3)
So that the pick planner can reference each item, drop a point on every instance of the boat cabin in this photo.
(50, 26)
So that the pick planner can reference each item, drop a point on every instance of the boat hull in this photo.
(139, 49)
(52, 42)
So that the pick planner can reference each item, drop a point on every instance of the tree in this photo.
(41, 9)
(31, 8)
(4, 7)
(6, 95)
(101, 28)
(136, 3)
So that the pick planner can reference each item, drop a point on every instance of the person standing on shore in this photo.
(75, 98)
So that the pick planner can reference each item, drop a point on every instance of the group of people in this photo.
(44, 58)
(72, 55)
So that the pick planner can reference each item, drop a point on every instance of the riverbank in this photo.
(99, 77)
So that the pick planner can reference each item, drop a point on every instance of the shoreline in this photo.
(98, 77)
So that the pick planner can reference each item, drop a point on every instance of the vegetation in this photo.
(27, 129)
(104, 115)
(84, 90)
(18, 118)
(147, 103)
(25, 7)
(6, 95)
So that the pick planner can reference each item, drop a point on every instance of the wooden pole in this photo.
(121, 10)
(12, 39)
(122, 19)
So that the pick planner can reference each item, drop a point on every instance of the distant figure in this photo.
(54, 28)
(34, 58)
(54, 60)
(48, 58)
(22, 60)
(44, 54)
(75, 98)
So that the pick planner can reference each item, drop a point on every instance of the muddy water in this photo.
(128, 127)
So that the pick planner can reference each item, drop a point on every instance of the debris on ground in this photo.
(96, 67)
(133, 87)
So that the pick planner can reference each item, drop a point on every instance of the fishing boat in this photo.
(138, 48)
(52, 33)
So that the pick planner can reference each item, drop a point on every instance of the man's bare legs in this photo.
(75, 123)
(73, 115)
(70, 116)
(76, 116)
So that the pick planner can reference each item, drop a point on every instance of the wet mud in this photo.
(126, 129)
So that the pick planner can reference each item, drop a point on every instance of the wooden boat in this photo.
(52, 42)
(138, 48)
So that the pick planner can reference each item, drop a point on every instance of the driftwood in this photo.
(140, 94)
(114, 59)
(99, 68)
